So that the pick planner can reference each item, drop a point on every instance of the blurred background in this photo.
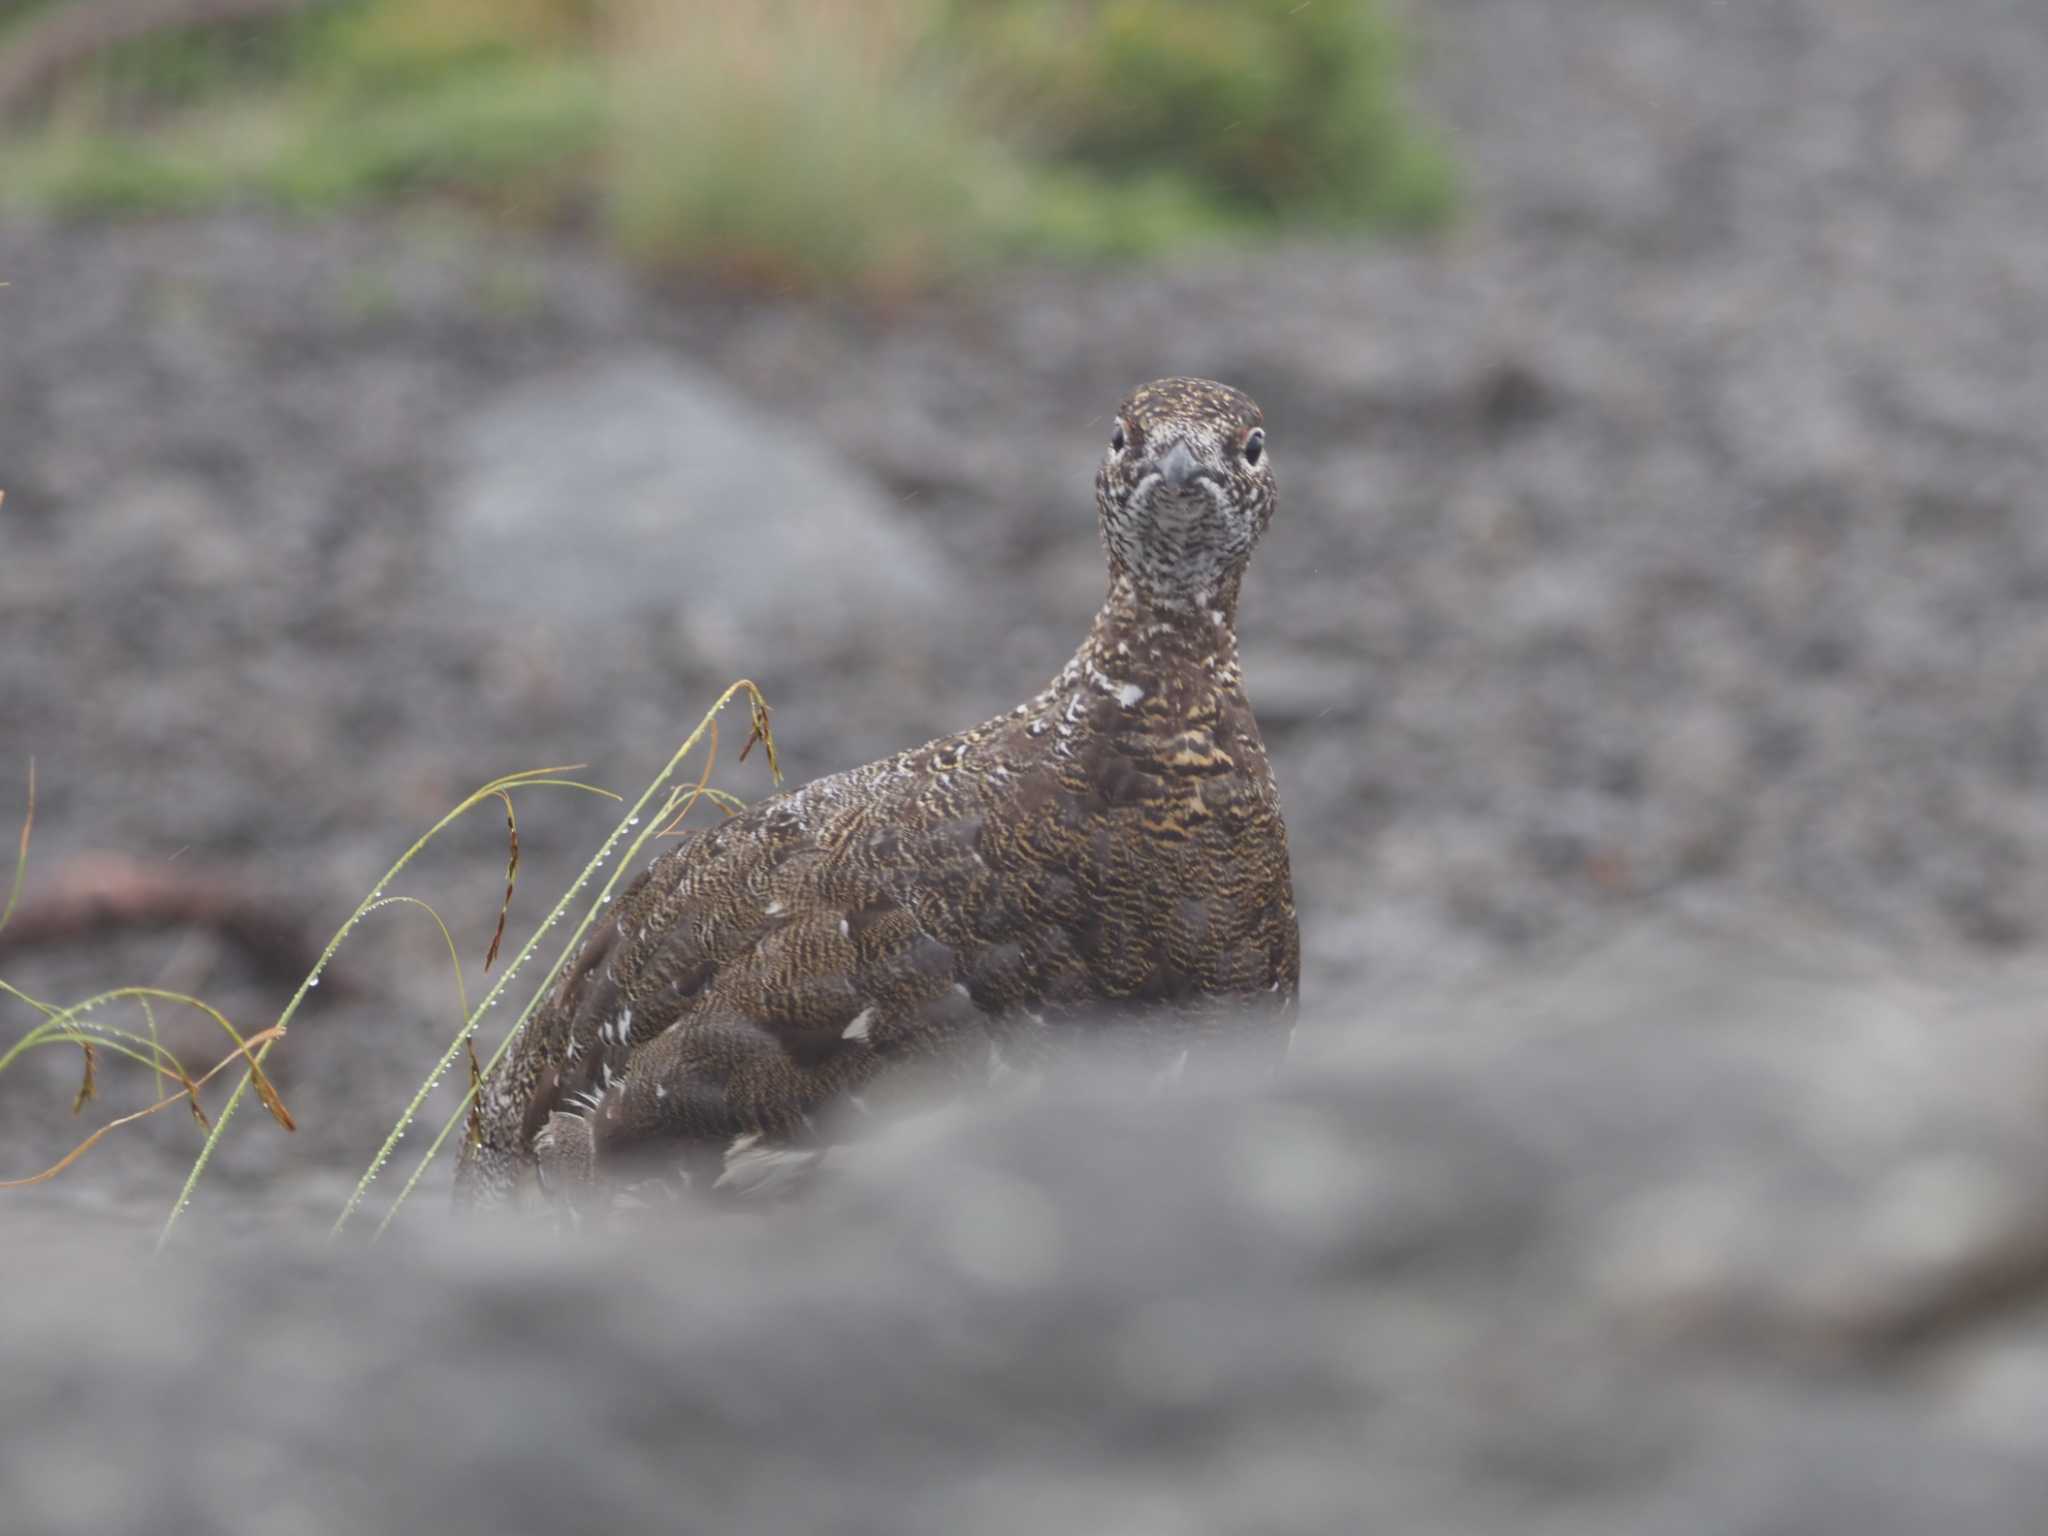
(397, 393)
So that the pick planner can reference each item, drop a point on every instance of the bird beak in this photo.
(1179, 466)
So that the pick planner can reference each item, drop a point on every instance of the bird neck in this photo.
(1140, 642)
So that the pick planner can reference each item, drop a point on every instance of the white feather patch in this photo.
(1126, 694)
(862, 1023)
(754, 1170)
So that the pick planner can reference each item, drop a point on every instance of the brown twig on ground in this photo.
(93, 892)
(51, 45)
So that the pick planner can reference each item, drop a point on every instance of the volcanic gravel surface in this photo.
(1669, 532)
(1666, 542)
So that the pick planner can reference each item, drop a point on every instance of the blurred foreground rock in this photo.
(1675, 1242)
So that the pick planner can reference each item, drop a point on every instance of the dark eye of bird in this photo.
(1254, 445)
(1116, 438)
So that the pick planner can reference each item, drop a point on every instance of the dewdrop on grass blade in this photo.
(707, 725)
(498, 789)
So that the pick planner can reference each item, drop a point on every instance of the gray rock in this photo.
(1685, 1239)
(593, 500)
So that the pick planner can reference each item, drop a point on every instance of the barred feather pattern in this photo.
(1108, 855)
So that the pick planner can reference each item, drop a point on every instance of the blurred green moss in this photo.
(875, 141)
(1268, 109)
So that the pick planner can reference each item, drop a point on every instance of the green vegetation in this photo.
(782, 140)
(1259, 108)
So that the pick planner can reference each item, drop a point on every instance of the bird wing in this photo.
(752, 975)
(773, 970)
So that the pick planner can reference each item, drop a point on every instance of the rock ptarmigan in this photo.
(1108, 855)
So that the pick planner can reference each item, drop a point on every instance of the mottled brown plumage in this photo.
(1110, 852)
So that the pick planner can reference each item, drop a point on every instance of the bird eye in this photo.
(1255, 445)
(1116, 439)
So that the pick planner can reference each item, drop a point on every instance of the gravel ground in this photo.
(1655, 547)
(1658, 538)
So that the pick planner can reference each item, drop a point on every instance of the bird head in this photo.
(1185, 490)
